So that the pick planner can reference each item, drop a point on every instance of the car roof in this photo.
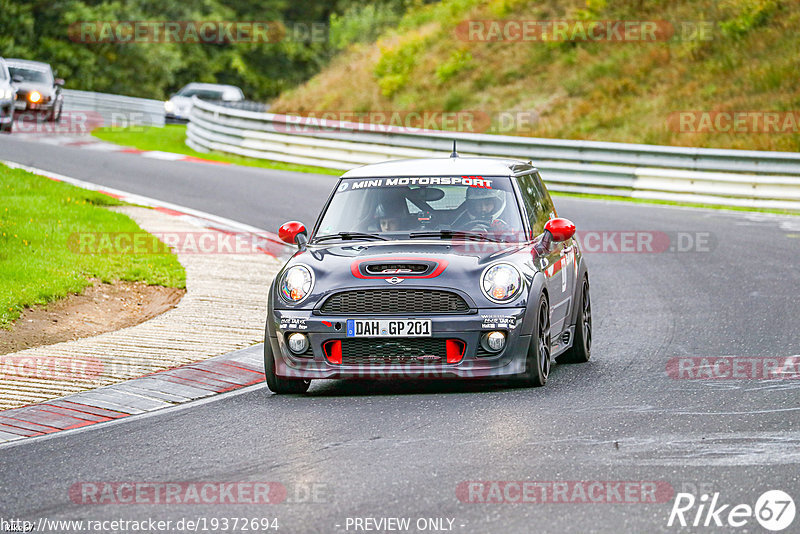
(199, 85)
(466, 166)
(28, 64)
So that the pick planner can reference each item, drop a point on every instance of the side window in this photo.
(547, 202)
(536, 202)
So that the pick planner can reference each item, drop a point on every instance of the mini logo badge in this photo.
(394, 280)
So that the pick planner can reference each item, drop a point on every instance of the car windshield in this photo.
(437, 206)
(202, 94)
(31, 75)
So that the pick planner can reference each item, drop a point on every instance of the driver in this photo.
(482, 203)
(483, 207)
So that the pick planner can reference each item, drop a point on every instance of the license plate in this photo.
(389, 328)
(19, 104)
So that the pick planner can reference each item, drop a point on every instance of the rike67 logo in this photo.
(774, 510)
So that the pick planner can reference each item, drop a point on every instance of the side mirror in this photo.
(58, 81)
(17, 78)
(555, 230)
(293, 232)
(560, 229)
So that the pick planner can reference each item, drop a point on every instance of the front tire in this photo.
(537, 364)
(581, 349)
(278, 384)
(8, 127)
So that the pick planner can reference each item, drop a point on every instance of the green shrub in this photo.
(459, 61)
(363, 23)
(752, 14)
(395, 65)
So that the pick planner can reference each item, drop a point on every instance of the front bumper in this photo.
(39, 107)
(467, 328)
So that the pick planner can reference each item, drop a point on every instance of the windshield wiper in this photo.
(349, 235)
(449, 234)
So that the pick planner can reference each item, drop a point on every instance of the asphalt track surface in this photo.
(379, 449)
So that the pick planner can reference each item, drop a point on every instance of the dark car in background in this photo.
(38, 90)
(7, 96)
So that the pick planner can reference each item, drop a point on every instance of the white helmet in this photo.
(475, 195)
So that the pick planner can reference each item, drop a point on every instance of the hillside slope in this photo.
(665, 87)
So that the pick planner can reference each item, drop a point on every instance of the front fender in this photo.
(582, 271)
(537, 287)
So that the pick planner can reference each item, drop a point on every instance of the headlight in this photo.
(501, 282)
(35, 96)
(168, 106)
(296, 283)
(8, 94)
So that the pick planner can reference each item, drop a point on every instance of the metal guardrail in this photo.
(247, 105)
(116, 109)
(709, 176)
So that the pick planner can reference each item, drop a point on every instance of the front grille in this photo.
(417, 351)
(393, 302)
(483, 353)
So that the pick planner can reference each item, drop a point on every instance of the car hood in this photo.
(453, 264)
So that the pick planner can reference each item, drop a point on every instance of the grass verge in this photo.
(172, 137)
(37, 266)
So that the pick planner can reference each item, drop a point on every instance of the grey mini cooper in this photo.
(431, 268)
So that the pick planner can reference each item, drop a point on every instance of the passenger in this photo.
(392, 216)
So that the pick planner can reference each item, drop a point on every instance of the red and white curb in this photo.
(92, 143)
(157, 391)
(163, 389)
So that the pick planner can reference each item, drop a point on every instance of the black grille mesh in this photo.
(394, 352)
(483, 353)
(413, 268)
(394, 301)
